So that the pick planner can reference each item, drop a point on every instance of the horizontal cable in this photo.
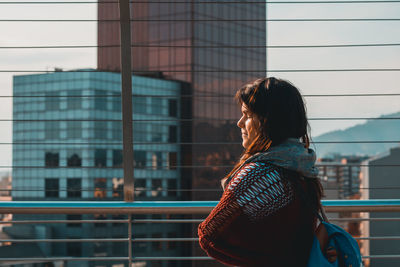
(172, 168)
(198, 143)
(66, 259)
(203, 46)
(63, 221)
(54, 259)
(138, 221)
(378, 238)
(158, 189)
(206, 20)
(195, 119)
(226, 71)
(80, 240)
(211, 2)
(214, 95)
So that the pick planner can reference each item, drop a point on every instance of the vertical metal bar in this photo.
(266, 39)
(130, 239)
(126, 76)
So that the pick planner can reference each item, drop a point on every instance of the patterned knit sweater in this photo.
(259, 221)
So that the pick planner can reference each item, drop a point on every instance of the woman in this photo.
(266, 216)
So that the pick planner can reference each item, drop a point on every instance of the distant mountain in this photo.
(372, 130)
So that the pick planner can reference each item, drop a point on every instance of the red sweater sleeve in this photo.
(252, 195)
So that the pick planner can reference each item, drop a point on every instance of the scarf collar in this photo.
(291, 155)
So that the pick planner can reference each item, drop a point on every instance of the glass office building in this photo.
(217, 46)
(67, 137)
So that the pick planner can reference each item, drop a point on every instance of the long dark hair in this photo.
(279, 108)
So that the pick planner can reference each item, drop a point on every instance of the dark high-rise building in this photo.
(217, 46)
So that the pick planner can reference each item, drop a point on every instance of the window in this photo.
(139, 159)
(139, 104)
(52, 159)
(52, 188)
(172, 108)
(171, 244)
(73, 217)
(172, 188)
(157, 106)
(74, 101)
(156, 187)
(156, 132)
(117, 131)
(172, 134)
(156, 245)
(100, 249)
(100, 192)
(74, 129)
(117, 158)
(74, 160)
(139, 247)
(100, 129)
(74, 249)
(100, 100)
(52, 129)
(100, 158)
(156, 160)
(140, 131)
(117, 103)
(118, 187)
(100, 188)
(140, 187)
(172, 160)
(74, 187)
(52, 101)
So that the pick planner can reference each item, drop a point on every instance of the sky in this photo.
(278, 33)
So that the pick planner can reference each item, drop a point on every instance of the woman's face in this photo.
(247, 125)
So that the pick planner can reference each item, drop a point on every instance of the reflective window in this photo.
(74, 159)
(172, 160)
(156, 187)
(172, 108)
(172, 134)
(100, 158)
(52, 159)
(52, 101)
(156, 160)
(140, 187)
(139, 104)
(52, 188)
(74, 187)
(139, 159)
(117, 158)
(74, 129)
(118, 187)
(172, 188)
(156, 106)
(74, 99)
(100, 100)
(71, 217)
(74, 249)
(100, 129)
(100, 187)
(117, 103)
(156, 132)
(52, 129)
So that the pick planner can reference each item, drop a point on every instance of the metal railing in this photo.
(131, 209)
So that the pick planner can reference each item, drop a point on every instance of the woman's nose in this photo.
(240, 123)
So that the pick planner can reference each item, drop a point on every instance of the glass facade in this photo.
(216, 46)
(67, 136)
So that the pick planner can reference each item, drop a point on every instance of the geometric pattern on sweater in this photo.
(260, 191)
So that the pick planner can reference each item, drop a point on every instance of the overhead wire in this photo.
(204, 46)
(208, 2)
